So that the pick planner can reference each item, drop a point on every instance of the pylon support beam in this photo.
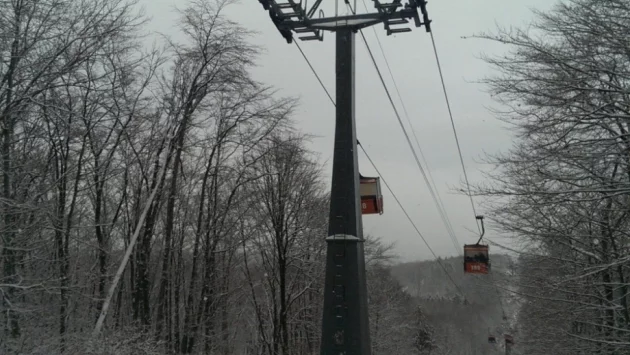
(345, 325)
(354, 22)
(291, 17)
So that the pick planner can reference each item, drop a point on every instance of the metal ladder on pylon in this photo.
(339, 304)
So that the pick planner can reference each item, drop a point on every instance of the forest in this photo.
(462, 314)
(562, 191)
(159, 200)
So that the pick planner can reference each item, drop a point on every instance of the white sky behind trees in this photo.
(412, 61)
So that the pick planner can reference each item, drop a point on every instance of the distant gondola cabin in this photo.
(371, 198)
(476, 259)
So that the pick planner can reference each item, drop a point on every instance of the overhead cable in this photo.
(449, 276)
(450, 113)
(411, 221)
(315, 72)
(413, 131)
(413, 151)
(389, 188)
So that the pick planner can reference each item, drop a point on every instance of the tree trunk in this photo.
(164, 295)
(100, 238)
(188, 339)
(141, 286)
(9, 219)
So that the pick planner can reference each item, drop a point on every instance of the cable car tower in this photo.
(345, 327)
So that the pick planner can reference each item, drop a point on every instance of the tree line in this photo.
(562, 191)
(160, 200)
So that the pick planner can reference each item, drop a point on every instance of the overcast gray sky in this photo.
(411, 58)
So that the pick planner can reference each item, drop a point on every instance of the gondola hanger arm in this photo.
(483, 230)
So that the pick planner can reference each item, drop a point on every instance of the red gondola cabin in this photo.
(476, 259)
(371, 198)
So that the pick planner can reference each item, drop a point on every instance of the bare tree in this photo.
(288, 209)
(563, 189)
(44, 46)
(164, 193)
(397, 325)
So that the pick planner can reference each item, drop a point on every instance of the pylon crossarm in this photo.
(354, 22)
(292, 16)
